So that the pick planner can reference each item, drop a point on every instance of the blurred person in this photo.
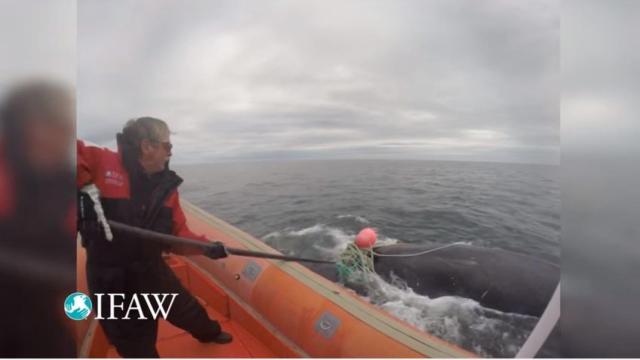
(139, 189)
(37, 219)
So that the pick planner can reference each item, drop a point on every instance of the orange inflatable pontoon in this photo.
(272, 308)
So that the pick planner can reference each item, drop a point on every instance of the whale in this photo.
(496, 278)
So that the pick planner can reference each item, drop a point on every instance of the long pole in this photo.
(175, 240)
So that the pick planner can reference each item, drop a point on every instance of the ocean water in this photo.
(315, 208)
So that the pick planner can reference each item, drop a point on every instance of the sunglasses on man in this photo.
(166, 145)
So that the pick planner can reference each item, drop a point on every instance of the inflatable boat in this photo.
(272, 308)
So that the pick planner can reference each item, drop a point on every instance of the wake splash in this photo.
(463, 321)
(459, 320)
(328, 239)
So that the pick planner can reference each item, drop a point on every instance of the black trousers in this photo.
(137, 337)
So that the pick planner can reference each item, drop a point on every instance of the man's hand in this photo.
(215, 250)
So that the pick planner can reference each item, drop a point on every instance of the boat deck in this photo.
(175, 342)
(251, 339)
(272, 309)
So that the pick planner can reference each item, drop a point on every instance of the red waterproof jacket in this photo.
(131, 197)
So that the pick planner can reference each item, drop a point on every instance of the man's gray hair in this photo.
(149, 128)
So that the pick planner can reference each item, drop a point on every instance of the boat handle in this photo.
(325, 325)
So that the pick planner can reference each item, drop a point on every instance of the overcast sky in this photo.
(37, 39)
(453, 80)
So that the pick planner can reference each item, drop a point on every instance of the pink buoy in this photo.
(366, 238)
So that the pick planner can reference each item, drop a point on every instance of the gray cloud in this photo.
(37, 39)
(466, 80)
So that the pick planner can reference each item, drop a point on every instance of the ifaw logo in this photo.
(78, 306)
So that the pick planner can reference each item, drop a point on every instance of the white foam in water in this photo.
(317, 228)
(272, 235)
(385, 240)
(462, 321)
(459, 320)
(359, 219)
(339, 237)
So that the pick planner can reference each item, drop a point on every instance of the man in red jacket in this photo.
(137, 188)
